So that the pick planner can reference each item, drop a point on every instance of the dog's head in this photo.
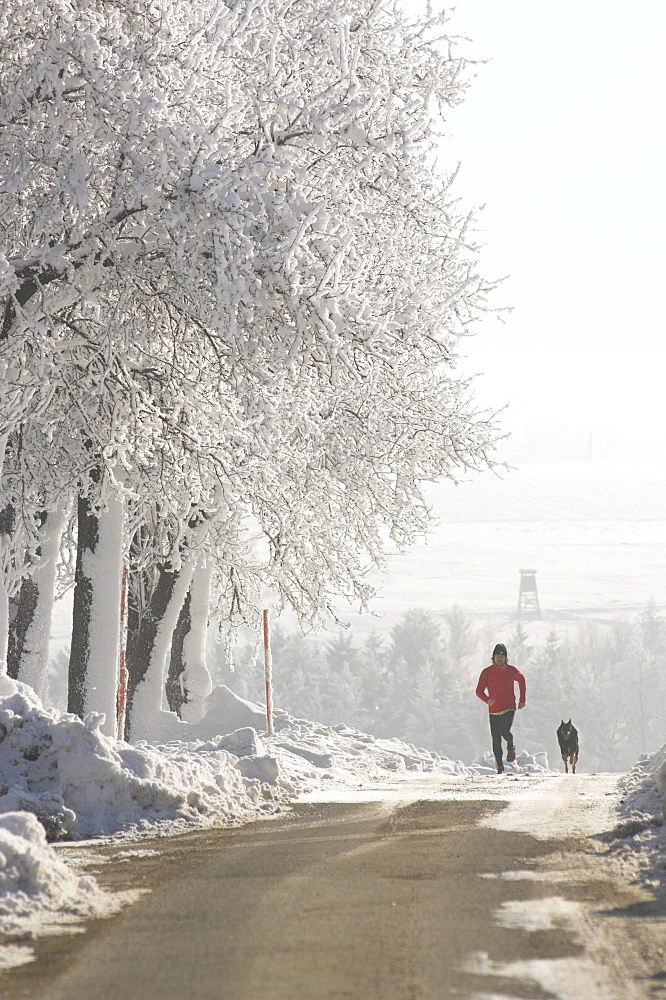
(565, 729)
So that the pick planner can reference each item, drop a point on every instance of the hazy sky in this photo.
(562, 136)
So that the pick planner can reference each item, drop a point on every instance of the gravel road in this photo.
(497, 894)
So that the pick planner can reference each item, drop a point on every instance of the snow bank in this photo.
(222, 711)
(525, 763)
(39, 893)
(300, 753)
(80, 783)
(639, 839)
(309, 753)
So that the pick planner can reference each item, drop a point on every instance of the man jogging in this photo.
(496, 688)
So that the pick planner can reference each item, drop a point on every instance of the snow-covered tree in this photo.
(462, 641)
(233, 281)
(427, 722)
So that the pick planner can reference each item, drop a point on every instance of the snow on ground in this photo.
(639, 838)
(63, 779)
(39, 892)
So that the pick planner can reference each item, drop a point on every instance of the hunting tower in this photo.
(528, 597)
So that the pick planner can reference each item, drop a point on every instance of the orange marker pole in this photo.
(268, 667)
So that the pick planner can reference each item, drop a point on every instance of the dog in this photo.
(567, 737)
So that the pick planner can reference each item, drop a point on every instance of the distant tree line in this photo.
(417, 682)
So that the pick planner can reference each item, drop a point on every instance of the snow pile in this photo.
(40, 893)
(308, 752)
(299, 755)
(80, 783)
(639, 839)
(525, 763)
(223, 711)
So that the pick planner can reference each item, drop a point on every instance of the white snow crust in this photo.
(639, 839)
(39, 892)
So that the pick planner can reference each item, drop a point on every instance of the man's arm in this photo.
(481, 688)
(521, 688)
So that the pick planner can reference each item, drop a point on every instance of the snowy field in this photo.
(595, 532)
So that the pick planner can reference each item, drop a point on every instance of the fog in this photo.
(560, 137)
(417, 682)
(594, 532)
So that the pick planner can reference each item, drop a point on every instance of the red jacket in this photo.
(499, 682)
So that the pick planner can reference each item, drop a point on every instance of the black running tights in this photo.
(500, 728)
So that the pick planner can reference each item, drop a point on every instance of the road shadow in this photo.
(655, 908)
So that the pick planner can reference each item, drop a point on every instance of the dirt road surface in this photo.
(487, 889)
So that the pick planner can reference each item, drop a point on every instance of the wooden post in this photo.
(268, 665)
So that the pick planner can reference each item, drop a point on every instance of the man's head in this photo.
(499, 654)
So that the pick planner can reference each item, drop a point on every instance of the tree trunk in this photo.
(188, 682)
(139, 590)
(87, 540)
(143, 618)
(149, 648)
(6, 529)
(22, 612)
(13, 610)
(93, 663)
(175, 682)
(30, 631)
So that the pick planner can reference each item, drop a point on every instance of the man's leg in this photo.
(496, 733)
(507, 722)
